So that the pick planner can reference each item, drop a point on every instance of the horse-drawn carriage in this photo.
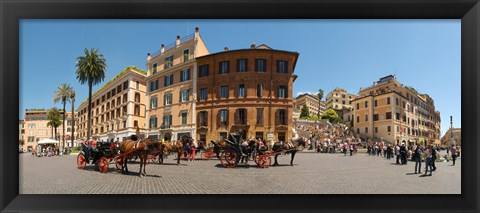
(234, 151)
(100, 154)
(231, 154)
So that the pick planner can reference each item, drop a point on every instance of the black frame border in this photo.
(12, 11)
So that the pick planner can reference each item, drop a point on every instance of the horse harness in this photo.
(137, 145)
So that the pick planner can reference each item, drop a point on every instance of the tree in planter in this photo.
(168, 64)
(304, 112)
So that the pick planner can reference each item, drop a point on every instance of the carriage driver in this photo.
(85, 147)
(244, 148)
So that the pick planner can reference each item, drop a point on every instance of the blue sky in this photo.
(349, 54)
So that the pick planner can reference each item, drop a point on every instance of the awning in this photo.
(47, 141)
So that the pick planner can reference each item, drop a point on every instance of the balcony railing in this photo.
(165, 126)
(157, 53)
(173, 44)
(187, 38)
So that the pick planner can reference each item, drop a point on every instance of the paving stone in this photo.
(312, 173)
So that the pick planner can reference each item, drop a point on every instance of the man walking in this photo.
(403, 154)
(434, 157)
(418, 159)
(351, 148)
(454, 154)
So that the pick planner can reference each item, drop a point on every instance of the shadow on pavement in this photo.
(172, 164)
(130, 173)
(280, 165)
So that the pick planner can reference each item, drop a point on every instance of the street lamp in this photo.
(452, 140)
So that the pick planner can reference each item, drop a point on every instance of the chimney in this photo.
(162, 49)
(148, 57)
(225, 49)
(253, 46)
(196, 32)
(178, 40)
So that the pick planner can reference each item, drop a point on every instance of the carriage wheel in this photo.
(205, 155)
(118, 164)
(222, 159)
(103, 165)
(231, 158)
(81, 162)
(264, 161)
(257, 158)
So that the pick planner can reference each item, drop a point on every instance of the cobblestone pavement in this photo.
(312, 173)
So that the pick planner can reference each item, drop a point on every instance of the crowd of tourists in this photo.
(334, 139)
(417, 153)
(49, 151)
(331, 139)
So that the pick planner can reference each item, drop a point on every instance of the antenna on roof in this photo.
(395, 73)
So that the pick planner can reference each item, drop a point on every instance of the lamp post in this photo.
(452, 140)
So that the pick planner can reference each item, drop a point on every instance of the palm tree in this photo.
(320, 96)
(90, 70)
(63, 95)
(53, 117)
(72, 98)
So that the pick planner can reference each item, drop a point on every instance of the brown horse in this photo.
(141, 149)
(288, 148)
(178, 146)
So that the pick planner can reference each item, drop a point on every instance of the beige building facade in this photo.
(338, 99)
(21, 134)
(396, 113)
(171, 93)
(35, 128)
(457, 136)
(311, 101)
(118, 108)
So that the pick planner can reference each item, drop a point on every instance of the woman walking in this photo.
(191, 156)
(428, 161)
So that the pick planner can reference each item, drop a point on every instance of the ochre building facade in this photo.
(248, 90)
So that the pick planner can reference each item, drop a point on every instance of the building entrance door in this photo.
(281, 136)
(258, 135)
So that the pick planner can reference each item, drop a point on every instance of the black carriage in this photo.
(100, 155)
(232, 153)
